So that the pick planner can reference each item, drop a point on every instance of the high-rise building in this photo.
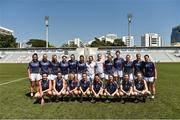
(5, 31)
(151, 40)
(76, 41)
(128, 42)
(175, 36)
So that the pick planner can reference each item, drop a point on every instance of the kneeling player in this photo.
(126, 86)
(84, 86)
(97, 89)
(72, 85)
(44, 88)
(111, 88)
(59, 86)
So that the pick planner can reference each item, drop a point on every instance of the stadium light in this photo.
(129, 16)
(47, 25)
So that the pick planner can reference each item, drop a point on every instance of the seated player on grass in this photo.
(97, 87)
(44, 89)
(59, 86)
(111, 88)
(126, 88)
(140, 87)
(84, 86)
(72, 85)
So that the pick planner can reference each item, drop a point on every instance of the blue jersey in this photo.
(84, 85)
(34, 67)
(72, 66)
(139, 85)
(73, 85)
(149, 69)
(97, 86)
(64, 67)
(54, 68)
(44, 84)
(128, 67)
(81, 67)
(138, 66)
(44, 65)
(111, 87)
(108, 67)
(118, 63)
(59, 85)
(126, 85)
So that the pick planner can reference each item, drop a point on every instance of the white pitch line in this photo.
(13, 81)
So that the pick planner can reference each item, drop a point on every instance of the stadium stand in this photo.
(157, 54)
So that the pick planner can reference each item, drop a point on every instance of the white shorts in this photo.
(35, 76)
(118, 73)
(79, 76)
(91, 77)
(101, 75)
(52, 77)
(65, 76)
(106, 76)
(149, 79)
(131, 77)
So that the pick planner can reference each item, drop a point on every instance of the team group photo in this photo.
(101, 76)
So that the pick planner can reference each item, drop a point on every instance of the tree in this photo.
(7, 41)
(38, 43)
(71, 45)
(118, 42)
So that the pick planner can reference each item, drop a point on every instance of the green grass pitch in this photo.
(15, 104)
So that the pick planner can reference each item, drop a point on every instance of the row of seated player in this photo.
(61, 88)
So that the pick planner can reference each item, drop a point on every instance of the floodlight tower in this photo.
(47, 29)
(129, 16)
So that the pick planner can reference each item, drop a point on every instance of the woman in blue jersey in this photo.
(81, 66)
(54, 68)
(64, 67)
(150, 74)
(73, 65)
(126, 88)
(111, 88)
(138, 65)
(129, 68)
(84, 86)
(34, 74)
(108, 66)
(140, 86)
(44, 88)
(118, 67)
(59, 86)
(45, 65)
(72, 85)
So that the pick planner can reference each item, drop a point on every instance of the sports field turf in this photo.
(15, 104)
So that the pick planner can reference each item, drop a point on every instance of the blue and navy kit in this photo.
(128, 67)
(118, 63)
(73, 85)
(72, 66)
(64, 67)
(59, 85)
(138, 66)
(54, 67)
(111, 87)
(126, 86)
(97, 86)
(149, 69)
(82, 68)
(108, 67)
(139, 85)
(84, 85)
(34, 67)
(45, 84)
(44, 65)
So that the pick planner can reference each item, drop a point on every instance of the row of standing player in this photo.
(115, 67)
(71, 87)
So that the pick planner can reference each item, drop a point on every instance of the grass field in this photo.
(15, 104)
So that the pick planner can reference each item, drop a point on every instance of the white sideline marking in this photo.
(13, 81)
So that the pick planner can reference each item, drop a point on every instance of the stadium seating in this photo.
(24, 56)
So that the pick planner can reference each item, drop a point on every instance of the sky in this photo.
(87, 19)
